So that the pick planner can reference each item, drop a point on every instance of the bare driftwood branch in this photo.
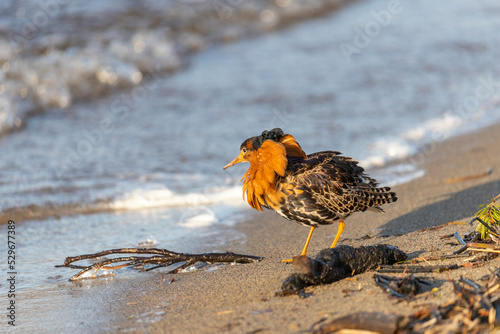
(400, 287)
(469, 177)
(364, 323)
(491, 227)
(160, 258)
(417, 269)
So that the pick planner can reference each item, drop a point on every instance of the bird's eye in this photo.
(244, 150)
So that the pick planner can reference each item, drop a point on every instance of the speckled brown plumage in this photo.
(315, 189)
(327, 187)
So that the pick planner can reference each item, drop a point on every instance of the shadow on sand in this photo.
(457, 206)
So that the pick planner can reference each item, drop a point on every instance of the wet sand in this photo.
(240, 298)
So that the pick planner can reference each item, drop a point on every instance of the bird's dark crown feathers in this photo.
(255, 142)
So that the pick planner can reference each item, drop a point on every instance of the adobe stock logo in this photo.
(33, 19)
(363, 37)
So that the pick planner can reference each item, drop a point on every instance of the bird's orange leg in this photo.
(339, 232)
(304, 251)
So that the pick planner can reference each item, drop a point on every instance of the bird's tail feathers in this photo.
(375, 197)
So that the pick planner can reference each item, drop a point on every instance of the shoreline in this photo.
(162, 152)
(240, 298)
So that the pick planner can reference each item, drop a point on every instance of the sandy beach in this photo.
(241, 298)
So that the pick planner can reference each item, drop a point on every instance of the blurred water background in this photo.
(117, 117)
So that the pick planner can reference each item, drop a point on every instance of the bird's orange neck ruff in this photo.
(266, 167)
(292, 148)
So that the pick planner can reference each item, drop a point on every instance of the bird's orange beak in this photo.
(238, 159)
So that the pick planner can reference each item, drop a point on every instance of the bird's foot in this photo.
(293, 258)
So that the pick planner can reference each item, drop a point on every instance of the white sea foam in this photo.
(397, 174)
(147, 242)
(89, 273)
(200, 217)
(420, 139)
(164, 197)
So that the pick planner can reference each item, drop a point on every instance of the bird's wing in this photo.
(330, 187)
